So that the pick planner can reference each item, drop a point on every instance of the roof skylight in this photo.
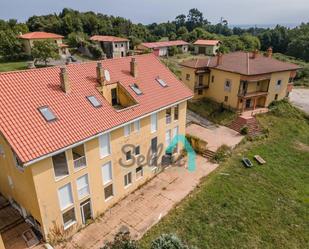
(47, 113)
(136, 89)
(161, 82)
(94, 101)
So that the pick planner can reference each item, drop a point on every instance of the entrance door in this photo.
(86, 212)
(248, 103)
(114, 96)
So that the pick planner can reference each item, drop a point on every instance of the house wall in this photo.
(209, 50)
(1, 243)
(22, 189)
(163, 51)
(46, 187)
(119, 48)
(273, 90)
(28, 44)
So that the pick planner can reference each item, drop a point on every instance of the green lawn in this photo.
(12, 66)
(212, 111)
(263, 207)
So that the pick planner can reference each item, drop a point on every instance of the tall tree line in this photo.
(78, 26)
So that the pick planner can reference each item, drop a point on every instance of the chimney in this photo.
(64, 80)
(133, 66)
(100, 74)
(269, 52)
(255, 53)
(219, 59)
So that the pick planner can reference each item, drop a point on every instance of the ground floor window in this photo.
(200, 92)
(68, 218)
(139, 172)
(108, 191)
(128, 179)
(226, 98)
(276, 97)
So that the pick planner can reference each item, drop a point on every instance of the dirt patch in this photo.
(301, 146)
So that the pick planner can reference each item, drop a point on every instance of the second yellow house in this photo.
(240, 80)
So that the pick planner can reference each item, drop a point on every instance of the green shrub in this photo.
(96, 51)
(122, 240)
(197, 144)
(244, 130)
(222, 153)
(168, 241)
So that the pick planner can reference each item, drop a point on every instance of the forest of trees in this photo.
(77, 26)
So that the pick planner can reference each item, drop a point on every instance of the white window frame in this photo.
(80, 197)
(154, 122)
(71, 197)
(142, 174)
(169, 131)
(104, 154)
(127, 130)
(137, 125)
(65, 227)
(111, 173)
(228, 88)
(126, 178)
(113, 190)
(278, 87)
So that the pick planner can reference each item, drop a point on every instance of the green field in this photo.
(262, 207)
(12, 66)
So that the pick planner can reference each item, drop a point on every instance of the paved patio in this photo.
(144, 208)
(215, 136)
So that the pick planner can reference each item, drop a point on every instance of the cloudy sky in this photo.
(148, 11)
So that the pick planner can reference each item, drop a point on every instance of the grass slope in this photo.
(12, 66)
(263, 207)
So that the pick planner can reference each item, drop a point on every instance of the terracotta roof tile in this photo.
(105, 38)
(40, 35)
(243, 63)
(23, 92)
(164, 44)
(207, 42)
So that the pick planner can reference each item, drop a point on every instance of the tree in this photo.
(10, 45)
(44, 50)
(95, 50)
(195, 19)
(180, 20)
(76, 39)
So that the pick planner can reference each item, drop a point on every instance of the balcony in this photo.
(79, 157)
(201, 86)
(252, 94)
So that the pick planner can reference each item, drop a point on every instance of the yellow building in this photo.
(29, 38)
(240, 80)
(87, 135)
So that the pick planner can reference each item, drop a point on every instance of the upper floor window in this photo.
(168, 138)
(176, 112)
(137, 125)
(278, 85)
(65, 196)
(94, 101)
(187, 76)
(60, 165)
(79, 157)
(154, 122)
(168, 115)
(82, 186)
(107, 173)
(227, 85)
(127, 130)
(47, 113)
(212, 78)
(122, 45)
(116, 45)
(104, 143)
(18, 162)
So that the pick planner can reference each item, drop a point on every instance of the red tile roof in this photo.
(23, 92)
(207, 42)
(105, 38)
(163, 44)
(40, 35)
(243, 63)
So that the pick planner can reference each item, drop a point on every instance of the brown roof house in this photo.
(206, 47)
(29, 38)
(113, 47)
(240, 80)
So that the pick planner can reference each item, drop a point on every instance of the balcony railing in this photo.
(252, 94)
(201, 86)
(80, 162)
